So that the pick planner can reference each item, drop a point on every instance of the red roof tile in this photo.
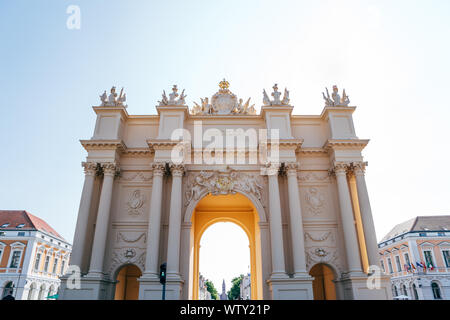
(31, 222)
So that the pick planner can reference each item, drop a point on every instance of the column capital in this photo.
(90, 168)
(358, 168)
(158, 168)
(340, 168)
(110, 168)
(270, 168)
(291, 168)
(177, 170)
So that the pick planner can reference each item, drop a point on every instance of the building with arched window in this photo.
(32, 256)
(421, 249)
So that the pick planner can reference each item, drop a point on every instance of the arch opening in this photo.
(323, 283)
(436, 291)
(235, 208)
(8, 289)
(31, 291)
(224, 254)
(41, 295)
(127, 285)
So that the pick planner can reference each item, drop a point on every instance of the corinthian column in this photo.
(173, 250)
(295, 211)
(79, 240)
(276, 230)
(366, 215)
(154, 222)
(347, 219)
(102, 223)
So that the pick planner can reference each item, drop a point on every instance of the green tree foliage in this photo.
(210, 287)
(234, 292)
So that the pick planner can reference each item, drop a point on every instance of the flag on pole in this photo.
(424, 266)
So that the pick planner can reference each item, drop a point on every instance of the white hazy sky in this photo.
(224, 253)
(390, 56)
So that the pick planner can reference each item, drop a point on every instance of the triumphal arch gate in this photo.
(294, 183)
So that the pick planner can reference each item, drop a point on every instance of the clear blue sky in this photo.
(392, 57)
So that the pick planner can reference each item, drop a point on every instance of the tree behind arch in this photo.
(211, 289)
(235, 292)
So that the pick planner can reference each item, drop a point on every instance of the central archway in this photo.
(235, 208)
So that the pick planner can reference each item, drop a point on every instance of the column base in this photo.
(297, 288)
(91, 288)
(360, 286)
(151, 288)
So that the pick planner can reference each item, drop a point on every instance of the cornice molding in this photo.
(339, 144)
(161, 144)
(103, 145)
(327, 110)
(286, 143)
(108, 109)
(119, 145)
(137, 151)
(313, 151)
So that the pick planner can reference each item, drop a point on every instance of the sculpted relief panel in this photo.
(321, 247)
(135, 203)
(129, 248)
(315, 201)
(225, 181)
(315, 195)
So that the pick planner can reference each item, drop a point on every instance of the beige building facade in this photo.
(294, 183)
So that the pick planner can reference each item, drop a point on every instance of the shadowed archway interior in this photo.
(323, 285)
(234, 208)
(127, 286)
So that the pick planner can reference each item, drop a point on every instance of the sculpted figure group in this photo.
(224, 102)
(112, 100)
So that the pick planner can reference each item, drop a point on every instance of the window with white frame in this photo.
(37, 262)
(416, 295)
(445, 255)
(47, 262)
(2, 249)
(428, 258)
(55, 264)
(399, 265)
(382, 266)
(390, 265)
(63, 264)
(436, 291)
(405, 292)
(407, 261)
(15, 259)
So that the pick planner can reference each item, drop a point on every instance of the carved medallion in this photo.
(315, 201)
(135, 203)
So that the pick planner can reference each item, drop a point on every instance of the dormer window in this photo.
(5, 225)
(21, 225)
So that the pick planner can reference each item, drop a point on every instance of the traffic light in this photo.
(162, 273)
